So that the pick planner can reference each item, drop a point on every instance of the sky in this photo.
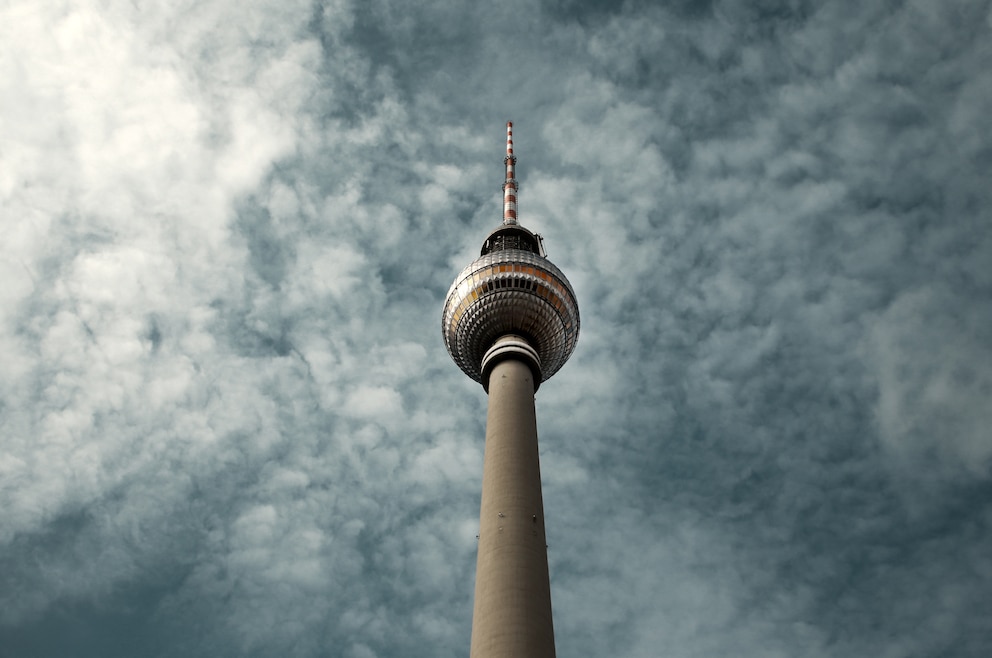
(228, 422)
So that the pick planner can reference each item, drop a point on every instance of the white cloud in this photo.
(928, 350)
(226, 411)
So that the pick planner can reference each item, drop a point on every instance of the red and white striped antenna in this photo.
(510, 184)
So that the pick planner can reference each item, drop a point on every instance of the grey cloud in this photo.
(229, 423)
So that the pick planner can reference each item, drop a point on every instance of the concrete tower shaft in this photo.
(512, 612)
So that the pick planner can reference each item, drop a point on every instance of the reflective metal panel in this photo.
(510, 291)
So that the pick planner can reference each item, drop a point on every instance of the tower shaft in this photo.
(512, 612)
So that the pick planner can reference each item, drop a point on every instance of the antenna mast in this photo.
(510, 184)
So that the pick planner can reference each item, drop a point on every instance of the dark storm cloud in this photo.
(230, 425)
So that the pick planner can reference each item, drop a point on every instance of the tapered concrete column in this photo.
(512, 613)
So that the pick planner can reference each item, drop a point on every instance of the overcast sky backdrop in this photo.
(228, 423)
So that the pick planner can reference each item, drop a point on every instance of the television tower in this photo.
(510, 321)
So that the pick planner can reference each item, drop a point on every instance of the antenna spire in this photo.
(510, 184)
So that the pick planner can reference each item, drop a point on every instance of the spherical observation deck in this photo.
(511, 289)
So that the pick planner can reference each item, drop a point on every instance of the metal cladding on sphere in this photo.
(511, 289)
(510, 292)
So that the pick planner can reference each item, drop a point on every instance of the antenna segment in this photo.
(510, 184)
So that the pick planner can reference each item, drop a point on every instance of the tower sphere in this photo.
(510, 290)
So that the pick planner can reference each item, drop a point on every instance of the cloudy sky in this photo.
(228, 423)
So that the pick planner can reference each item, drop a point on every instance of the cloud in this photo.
(932, 392)
(230, 425)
